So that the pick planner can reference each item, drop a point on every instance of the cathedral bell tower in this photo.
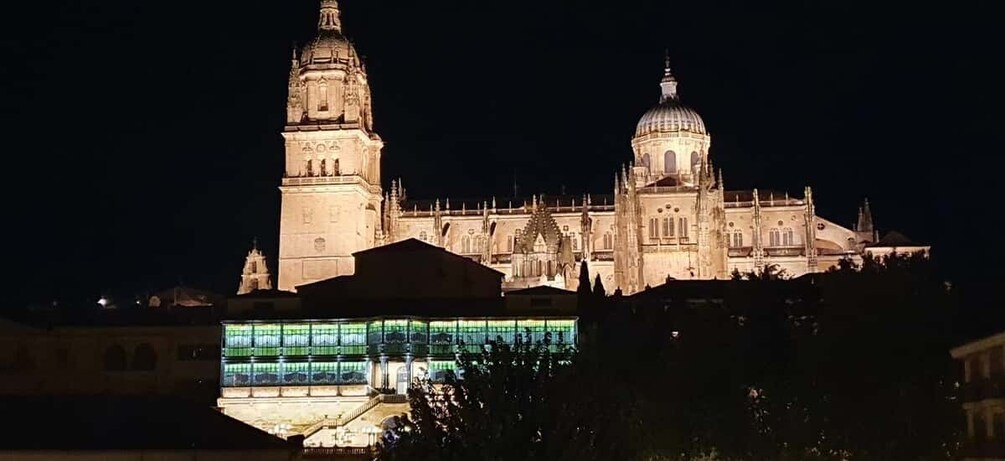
(331, 190)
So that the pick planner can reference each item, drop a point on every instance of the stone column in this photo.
(369, 372)
(408, 369)
(383, 372)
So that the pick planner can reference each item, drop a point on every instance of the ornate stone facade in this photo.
(331, 187)
(668, 214)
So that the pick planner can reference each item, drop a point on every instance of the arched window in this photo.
(654, 228)
(774, 238)
(23, 360)
(788, 238)
(608, 241)
(324, 167)
(667, 227)
(310, 167)
(144, 358)
(323, 97)
(423, 236)
(670, 162)
(737, 241)
(695, 163)
(335, 168)
(646, 162)
(115, 358)
(683, 227)
(465, 244)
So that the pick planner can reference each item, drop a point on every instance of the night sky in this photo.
(143, 148)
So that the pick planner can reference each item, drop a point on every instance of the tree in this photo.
(514, 402)
(598, 288)
(584, 282)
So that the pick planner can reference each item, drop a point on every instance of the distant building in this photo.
(181, 296)
(667, 214)
(129, 352)
(127, 429)
(983, 396)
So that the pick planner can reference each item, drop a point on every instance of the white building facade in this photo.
(668, 215)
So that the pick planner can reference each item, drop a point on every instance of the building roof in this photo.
(413, 245)
(123, 423)
(978, 345)
(403, 246)
(541, 290)
(894, 239)
(267, 294)
(766, 197)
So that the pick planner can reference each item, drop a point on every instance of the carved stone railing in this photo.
(785, 251)
(337, 453)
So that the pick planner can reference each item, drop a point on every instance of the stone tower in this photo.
(331, 190)
(255, 275)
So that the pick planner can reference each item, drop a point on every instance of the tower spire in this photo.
(669, 83)
(865, 219)
(330, 19)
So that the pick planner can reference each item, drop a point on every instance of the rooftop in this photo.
(120, 423)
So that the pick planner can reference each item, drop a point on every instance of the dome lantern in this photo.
(669, 83)
(329, 19)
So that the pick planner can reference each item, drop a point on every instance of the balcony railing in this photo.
(320, 180)
(785, 251)
(984, 389)
(338, 453)
(987, 449)
(740, 252)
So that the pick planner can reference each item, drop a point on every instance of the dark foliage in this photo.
(853, 365)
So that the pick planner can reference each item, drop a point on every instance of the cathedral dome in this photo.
(670, 115)
(327, 47)
(330, 46)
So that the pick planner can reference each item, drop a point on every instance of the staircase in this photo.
(328, 423)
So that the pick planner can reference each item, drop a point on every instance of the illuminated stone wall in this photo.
(333, 201)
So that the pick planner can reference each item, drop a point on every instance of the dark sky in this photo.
(143, 149)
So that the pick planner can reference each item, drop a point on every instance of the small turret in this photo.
(255, 275)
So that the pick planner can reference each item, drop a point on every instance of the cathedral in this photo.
(668, 215)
